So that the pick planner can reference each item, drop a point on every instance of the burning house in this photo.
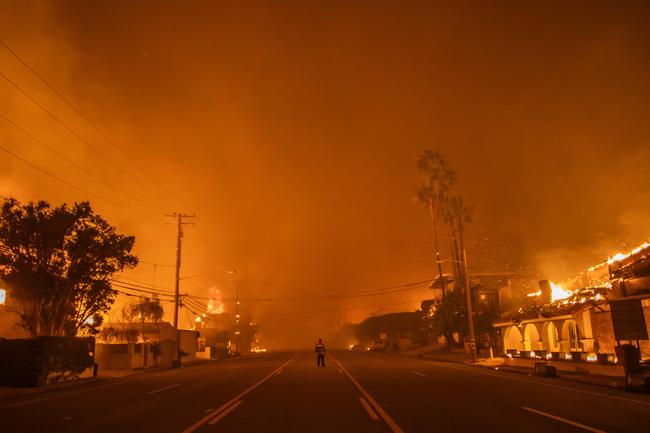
(573, 320)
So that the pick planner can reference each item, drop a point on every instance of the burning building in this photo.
(573, 320)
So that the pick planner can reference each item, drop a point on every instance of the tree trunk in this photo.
(434, 226)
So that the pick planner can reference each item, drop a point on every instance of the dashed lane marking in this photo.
(475, 370)
(50, 397)
(165, 388)
(417, 373)
(564, 420)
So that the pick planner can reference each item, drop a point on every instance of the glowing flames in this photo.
(215, 304)
(621, 256)
(558, 292)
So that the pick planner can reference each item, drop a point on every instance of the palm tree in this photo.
(437, 179)
(456, 215)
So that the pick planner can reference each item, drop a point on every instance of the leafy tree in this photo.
(449, 316)
(147, 310)
(58, 263)
(392, 324)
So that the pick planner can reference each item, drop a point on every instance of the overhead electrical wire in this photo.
(74, 164)
(70, 184)
(143, 286)
(76, 134)
(122, 277)
(85, 118)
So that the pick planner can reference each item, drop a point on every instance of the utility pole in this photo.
(179, 241)
(237, 329)
(468, 299)
(233, 272)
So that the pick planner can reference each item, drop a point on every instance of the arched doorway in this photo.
(550, 337)
(512, 339)
(571, 333)
(531, 337)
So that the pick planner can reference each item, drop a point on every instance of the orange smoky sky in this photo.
(291, 130)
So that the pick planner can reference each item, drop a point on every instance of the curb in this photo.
(524, 372)
(26, 391)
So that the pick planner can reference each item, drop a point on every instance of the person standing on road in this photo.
(320, 353)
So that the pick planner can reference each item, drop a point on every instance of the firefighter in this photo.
(320, 353)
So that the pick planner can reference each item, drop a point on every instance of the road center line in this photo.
(418, 373)
(380, 410)
(165, 388)
(371, 413)
(224, 413)
(564, 420)
(227, 405)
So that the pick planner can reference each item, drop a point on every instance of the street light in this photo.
(468, 300)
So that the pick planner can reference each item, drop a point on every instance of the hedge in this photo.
(37, 361)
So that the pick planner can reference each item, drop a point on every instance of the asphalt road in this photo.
(355, 393)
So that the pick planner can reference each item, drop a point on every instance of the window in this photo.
(3, 296)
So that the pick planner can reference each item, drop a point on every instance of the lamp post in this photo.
(468, 300)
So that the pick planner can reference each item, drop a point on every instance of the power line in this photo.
(73, 132)
(308, 311)
(122, 277)
(78, 188)
(139, 296)
(149, 292)
(74, 164)
(361, 294)
(80, 114)
(143, 286)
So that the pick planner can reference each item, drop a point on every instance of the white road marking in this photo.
(373, 415)
(279, 372)
(165, 388)
(340, 371)
(564, 420)
(49, 397)
(418, 373)
(565, 388)
(235, 367)
(225, 406)
(382, 413)
(224, 413)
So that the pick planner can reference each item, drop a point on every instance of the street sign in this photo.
(628, 320)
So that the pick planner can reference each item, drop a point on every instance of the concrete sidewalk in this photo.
(7, 392)
(498, 365)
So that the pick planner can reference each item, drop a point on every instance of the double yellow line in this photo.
(231, 404)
